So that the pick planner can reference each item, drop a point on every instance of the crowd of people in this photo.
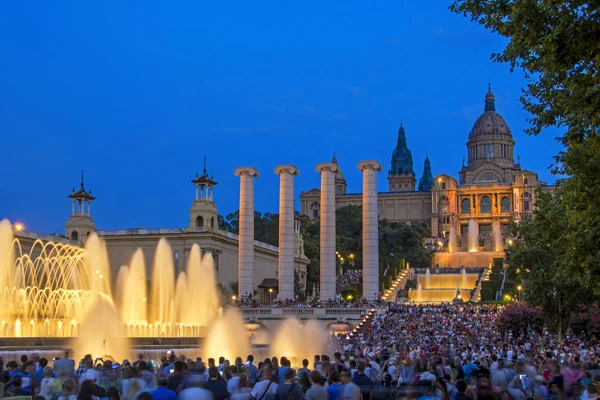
(349, 278)
(445, 270)
(425, 352)
(336, 303)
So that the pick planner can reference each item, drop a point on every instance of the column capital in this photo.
(246, 171)
(369, 164)
(287, 169)
(323, 167)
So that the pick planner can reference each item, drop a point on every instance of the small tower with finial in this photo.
(340, 181)
(80, 223)
(203, 213)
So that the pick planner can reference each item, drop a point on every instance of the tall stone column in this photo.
(327, 219)
(286, 230)
(370, 229)
(246, 231)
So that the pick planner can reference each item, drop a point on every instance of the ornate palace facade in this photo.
(491, 186)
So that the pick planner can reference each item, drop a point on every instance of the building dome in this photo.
(490, 123)
(490, 140)
(339, 176)
(340, 181)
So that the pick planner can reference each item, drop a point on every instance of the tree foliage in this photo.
(266, 226)
(519, 318)
(536, 260)
(555, 43)
(586, 320)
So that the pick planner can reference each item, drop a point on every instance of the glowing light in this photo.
(19, 227)
(270, 290)
(234, 297)
(351, 255)
(519, 287)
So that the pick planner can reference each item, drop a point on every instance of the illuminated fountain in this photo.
(297, 341)
(453, 240)
(64, 291)
(473, 236)
(43, 292)
(447, 281)
(497, 234)
(438, 288)
(419, 293)
(227, 337)
(58, 290)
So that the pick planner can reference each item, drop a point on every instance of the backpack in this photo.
(293, 394)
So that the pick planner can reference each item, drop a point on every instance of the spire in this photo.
(426, 181)
(401, 134)
(334, 159)
(490, 102)
(81, 194)
(204, 179)
(402, 157)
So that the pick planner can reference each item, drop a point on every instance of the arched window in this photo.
(526, 201)
(212, 223)
(74, 235)
(485, 205)
(505, 205)
(466, 206)
(199, 222)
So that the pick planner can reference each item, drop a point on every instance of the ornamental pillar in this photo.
(246, 232)
(327, 222)
(286, 230)
(370, 229)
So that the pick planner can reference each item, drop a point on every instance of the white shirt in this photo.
(351, 391)
(233, 384)
(90, 375)
(195, 393)
(260, 388)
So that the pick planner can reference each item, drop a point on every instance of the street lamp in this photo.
(270, 295)
(19, 227)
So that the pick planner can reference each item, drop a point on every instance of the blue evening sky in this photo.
(136, 93)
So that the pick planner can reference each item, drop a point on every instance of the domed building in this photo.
(492, 188)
